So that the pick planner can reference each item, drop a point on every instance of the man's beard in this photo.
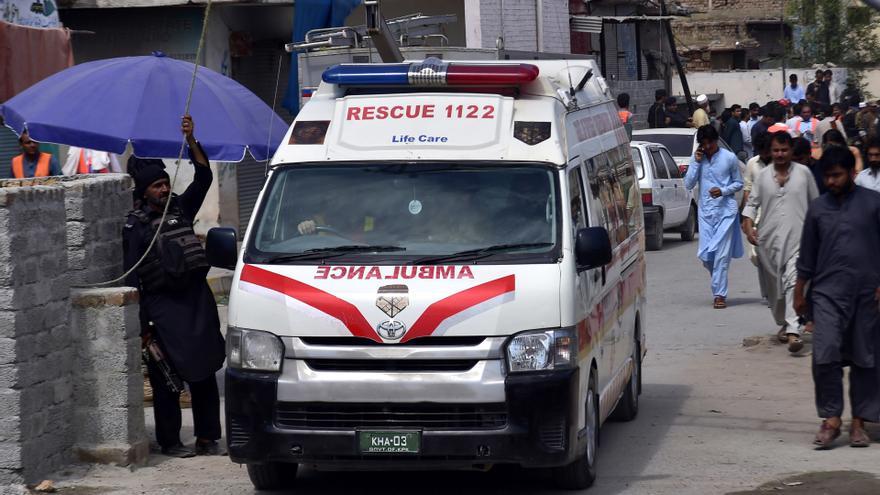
(158, 202)
(875, 166)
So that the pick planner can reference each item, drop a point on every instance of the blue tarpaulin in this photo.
(308, 15)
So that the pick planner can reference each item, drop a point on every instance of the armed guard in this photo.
(180, 327)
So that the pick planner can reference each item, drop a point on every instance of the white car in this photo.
(681, 143)
(666, 203)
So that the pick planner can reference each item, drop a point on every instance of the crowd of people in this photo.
(802, 112)
(810, 213)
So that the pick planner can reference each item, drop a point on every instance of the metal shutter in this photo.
(257, 73)
(8, 149)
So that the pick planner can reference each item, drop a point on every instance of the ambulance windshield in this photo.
(408, 213)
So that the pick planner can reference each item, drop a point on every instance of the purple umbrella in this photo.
(104, 105)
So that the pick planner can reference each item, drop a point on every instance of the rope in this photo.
(192, 86)
(272, 115)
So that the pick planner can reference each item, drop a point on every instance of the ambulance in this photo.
(445, 270)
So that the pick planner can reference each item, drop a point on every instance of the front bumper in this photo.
(540, 430)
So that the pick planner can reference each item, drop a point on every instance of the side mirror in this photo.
(592, 248)
(221, 247)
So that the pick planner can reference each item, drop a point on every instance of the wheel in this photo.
(690, 225)
(628, 407)
(581, 473)
(654, 240)
(272, 475)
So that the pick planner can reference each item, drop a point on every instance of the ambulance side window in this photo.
(632, 200)
(576, 195)
(607, 196)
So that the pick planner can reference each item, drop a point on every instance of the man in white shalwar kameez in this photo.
(781, 195)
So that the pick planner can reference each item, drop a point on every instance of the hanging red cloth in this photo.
(29, 55)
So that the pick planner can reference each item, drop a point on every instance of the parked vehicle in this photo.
(666, 203)
(439, 278)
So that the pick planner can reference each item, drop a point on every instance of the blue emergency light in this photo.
(431, 73)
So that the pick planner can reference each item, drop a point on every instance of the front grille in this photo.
(239, 431)
(419, 342)
(425, 416)
(399, 365)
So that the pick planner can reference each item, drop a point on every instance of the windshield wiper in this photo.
(334, 251)
(472, 254)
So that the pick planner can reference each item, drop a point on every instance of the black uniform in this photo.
(176, 299)
(838, 255)
(656, 115)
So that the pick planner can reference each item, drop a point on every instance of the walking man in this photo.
(701, 114)
(656, 116)
(870, 177)
(793, 92)
(32, 162)
(178, 310)
(781, 195)
(717, 173)
(839, 261)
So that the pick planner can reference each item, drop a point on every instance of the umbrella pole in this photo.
(192, 87)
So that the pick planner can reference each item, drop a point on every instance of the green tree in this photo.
(842, 32)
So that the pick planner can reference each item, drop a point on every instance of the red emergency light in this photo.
(431, 73)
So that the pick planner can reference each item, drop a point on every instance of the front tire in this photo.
(272, 475)
(581, 473)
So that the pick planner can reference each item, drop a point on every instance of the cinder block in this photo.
(9, 374)
(7, 350)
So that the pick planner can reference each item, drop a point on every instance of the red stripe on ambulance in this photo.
(342, 310)
(439, 311)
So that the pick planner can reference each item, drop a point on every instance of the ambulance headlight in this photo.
(542, 350)
(253, 350)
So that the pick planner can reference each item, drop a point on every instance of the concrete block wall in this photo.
(641, 97)
(96, 207)
(108, 412)
(36, 384)
(70, 377)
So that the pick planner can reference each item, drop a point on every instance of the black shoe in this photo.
(209, 448)
(178, 451)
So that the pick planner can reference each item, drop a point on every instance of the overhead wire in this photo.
(189, 95)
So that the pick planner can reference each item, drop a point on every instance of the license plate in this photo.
(389, 442)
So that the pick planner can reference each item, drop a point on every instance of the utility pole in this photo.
(681, 75)
(782, 42)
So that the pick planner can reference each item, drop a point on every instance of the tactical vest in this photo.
(176, 254)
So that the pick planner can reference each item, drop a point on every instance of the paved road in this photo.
(715, 417)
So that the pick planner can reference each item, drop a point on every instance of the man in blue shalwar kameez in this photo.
(717, 173)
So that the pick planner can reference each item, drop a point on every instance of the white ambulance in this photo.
(444, 270)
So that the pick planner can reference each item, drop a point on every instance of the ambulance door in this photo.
(603, 212)
(584, 280)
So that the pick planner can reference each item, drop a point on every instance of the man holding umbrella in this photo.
(179, 322)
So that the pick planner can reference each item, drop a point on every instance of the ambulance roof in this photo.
(432, 109)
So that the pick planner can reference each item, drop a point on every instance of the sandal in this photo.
(720, 303)
(794, 344)
(826, 436)
(782, 336)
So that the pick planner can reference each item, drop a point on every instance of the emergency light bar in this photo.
(430, 73)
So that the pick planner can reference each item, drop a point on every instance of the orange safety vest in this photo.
(42, 169)
(86, 168)
(800, 120)
(624, 115)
